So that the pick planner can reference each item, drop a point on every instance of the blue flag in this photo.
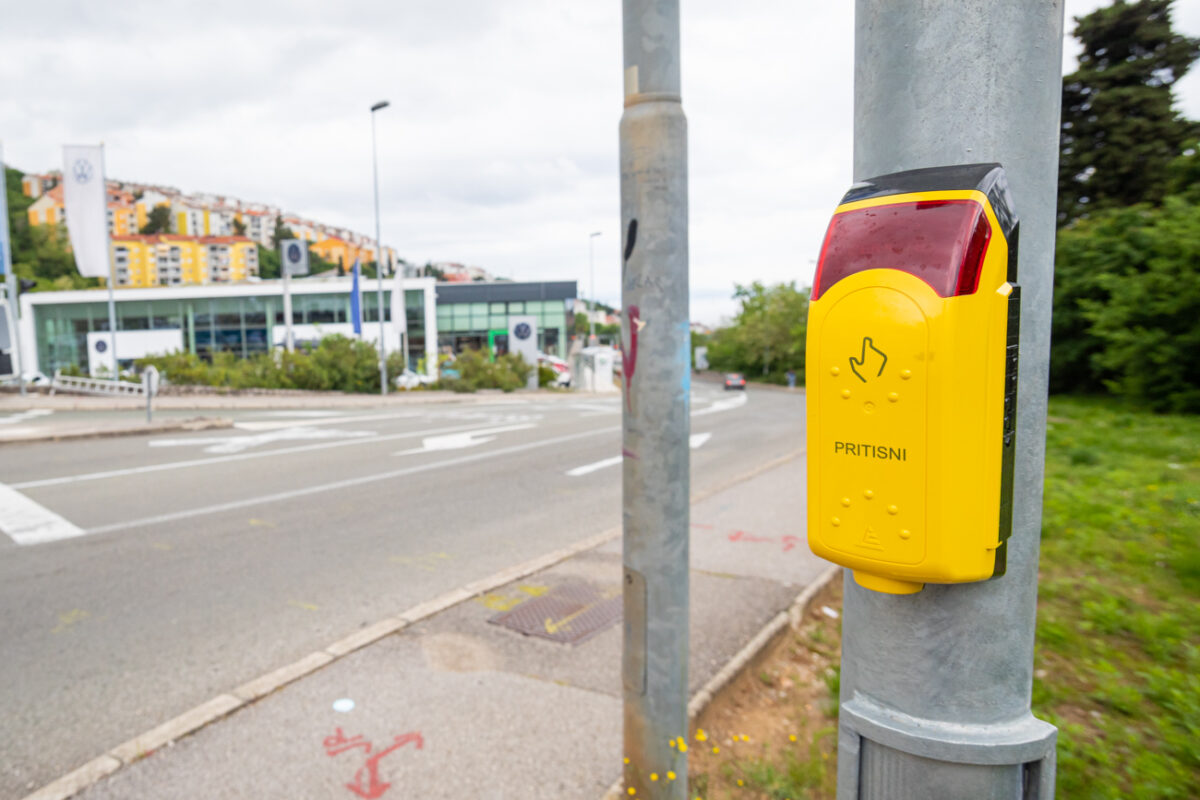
(356, 303)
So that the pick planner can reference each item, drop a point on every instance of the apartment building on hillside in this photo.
(144, 261)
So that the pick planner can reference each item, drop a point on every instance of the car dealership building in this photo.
(63, 329)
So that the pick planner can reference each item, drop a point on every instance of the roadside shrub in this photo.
(337, 364)
(476, 371)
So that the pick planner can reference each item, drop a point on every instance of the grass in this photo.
(1117, 665)
(1117, 660)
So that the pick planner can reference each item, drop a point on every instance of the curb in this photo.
(753, 648)
(190, 425)
(224, 704)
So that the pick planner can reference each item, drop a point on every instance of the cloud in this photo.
(500, 145)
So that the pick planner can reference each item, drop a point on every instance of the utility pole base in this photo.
(884, 754)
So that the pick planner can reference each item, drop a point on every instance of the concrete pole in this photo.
(935, 686)
(654, 296)
(379, 253)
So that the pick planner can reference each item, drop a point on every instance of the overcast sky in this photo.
(500, 147)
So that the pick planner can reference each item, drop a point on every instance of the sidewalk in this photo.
(36, 428)
(445, 703)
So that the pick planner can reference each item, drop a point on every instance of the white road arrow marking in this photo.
(237, 444)
(23, 416)
(27, 522)
(723, 405)
(696, 440)
(459, 441)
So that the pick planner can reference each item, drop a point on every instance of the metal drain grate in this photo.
(568, 614)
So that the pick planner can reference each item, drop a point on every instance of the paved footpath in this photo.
(454, 705)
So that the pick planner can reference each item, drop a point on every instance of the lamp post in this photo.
(379, 252)
(592, 265)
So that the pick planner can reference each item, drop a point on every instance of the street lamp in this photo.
(592, 263)
(379, 252)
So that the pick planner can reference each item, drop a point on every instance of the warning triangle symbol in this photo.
(870, 540)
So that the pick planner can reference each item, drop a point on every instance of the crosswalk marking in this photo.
(27, 522)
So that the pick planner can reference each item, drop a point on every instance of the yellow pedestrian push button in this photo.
(912, 375)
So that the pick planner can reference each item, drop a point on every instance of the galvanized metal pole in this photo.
(289, 340)
(112, 275)
(654, 295)
(935, 686)
(379, 253)
(592, 267)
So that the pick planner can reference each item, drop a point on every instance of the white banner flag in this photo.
(85, 200)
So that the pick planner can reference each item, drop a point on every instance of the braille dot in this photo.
(893, 509)
(834, 371)
(905, 374)
(846, 502)
(868, 494)
(836, 522)
(905, 533)
(893, 397)
(846, 393)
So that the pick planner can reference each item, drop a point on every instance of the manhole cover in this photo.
(567, 614)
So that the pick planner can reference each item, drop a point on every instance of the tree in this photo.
(1126, 303)
(768, 334)
(158, 220)
(239, 227)
(1120, 131)
(269, 263)
(39, 252)
(281, 232)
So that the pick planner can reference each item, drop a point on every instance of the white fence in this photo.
(74, 384)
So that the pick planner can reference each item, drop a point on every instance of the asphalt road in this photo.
(197, 562)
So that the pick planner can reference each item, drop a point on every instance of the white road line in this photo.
(586, 468)
(276, 425)
(202, 462)
(696, 440)
(459, 441)
(329, 487)
(27, 522)
(24, 416)
(299, 413)
(236, 444)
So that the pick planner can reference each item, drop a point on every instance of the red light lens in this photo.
(942, 242)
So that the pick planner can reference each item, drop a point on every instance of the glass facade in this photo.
(241, 325)
(484, 325)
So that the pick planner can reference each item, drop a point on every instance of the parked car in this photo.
(560, 367)
(735, 380)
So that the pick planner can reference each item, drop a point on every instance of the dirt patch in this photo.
(772, 733)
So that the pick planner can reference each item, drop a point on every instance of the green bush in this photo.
(546, 376)
(336, 364)
(476, 371)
